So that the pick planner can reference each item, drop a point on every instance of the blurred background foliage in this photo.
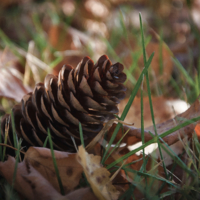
(38, 37)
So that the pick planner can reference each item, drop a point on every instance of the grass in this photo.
(81, 135)
(55, 164)
(5, 142)
(187, 169)
(16, 162)
(149, 92)
(191, 83)
(128, 105)
(157, 139)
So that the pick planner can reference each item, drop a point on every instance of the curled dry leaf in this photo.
(97, 176)
(164, 109)
(41, 189)
(69, 169)
(134, 134)
(36, 174)
(80, 194)
(11, 77)
(21, 186)
(189, 114)
(32, 185)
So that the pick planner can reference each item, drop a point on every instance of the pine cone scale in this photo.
(85, 88)
(98, 89)
(40, 124)
(45, 107)
(76, 104)
(92, 105)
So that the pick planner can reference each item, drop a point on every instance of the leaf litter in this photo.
(36, 178)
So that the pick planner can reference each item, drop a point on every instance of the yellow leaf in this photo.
(97, 176)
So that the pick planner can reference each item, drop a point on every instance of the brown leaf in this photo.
(41, 189)
(81, 194)
(69, 169)
(7, 170)
(164, 109)
(135, 162)
(192, 112)
(36, 177)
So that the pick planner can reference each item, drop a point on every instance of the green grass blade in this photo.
(123, 26)
(198, 72)
(81, 135)
(16, 163)
(135, 90)
(176, 86)
(10, 194)
(160, 54)
(129, 72)
(15, 139)
(1, 155)
(45, 142)
(4, 149)
(142, 118)
(128, 105)
(55, 164)
(143, 168)
(139, 177)
(184, 72)
(55, 62)
(188, 122)
(5, 39)
(149, 92)
(5, 139)
(117, 144)
(168, 193)
(173, 155)
(74, 142)
(152, 176)
(197, 79)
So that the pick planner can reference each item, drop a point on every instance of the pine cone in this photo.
(88, 94)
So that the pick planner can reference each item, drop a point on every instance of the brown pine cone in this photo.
(88, 94)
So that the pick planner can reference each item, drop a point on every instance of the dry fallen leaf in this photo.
(41, 189)
(81, 194)
(97, 176)
(32, 185)
(134, 134)
(6, 171)
(69, 169)
(164, 109)
(192, 112)
(36, 174)
(11, 77)
(197, 130)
